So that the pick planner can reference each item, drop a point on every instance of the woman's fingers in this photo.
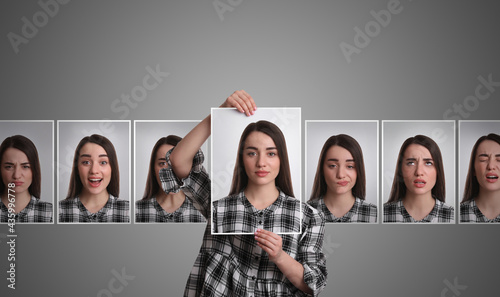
(269, 242)
(242, 101)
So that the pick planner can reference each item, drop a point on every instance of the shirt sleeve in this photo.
(196, 185)
(310, 253)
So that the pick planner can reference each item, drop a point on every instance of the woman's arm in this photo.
(181, 157)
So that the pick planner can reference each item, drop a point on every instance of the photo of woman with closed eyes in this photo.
(156, 206)
(94, 185)
(481, 199)
(418, 189)
(20, 185)
(339, 187)
(261, 193)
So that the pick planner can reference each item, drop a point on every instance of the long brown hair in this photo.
(152, 186)
(471, 184)
(75, 183)
(26, 146)
(283, 180)
(398, 190)
(350, 144)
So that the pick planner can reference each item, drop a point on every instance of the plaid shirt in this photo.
(233, 265)
(395, 212)
(150, 211)
(114, 211)
(470, 213)
(235, 214)
(37, 211)
(360, 212)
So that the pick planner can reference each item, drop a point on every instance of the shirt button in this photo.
(253, 277)
(256, 258)
(260, 222)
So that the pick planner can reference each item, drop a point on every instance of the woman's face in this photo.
(160, 160)
(94, 169)
(16, 169)
(339, 169)
(487, 165)
(260, 158)
(419, 172)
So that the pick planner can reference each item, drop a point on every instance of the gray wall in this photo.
(91, 60)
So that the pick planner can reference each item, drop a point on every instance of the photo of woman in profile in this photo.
(156, 206)
(481, 201)
(418, 188)
(94, 185)
(261, 194)
(20, 168)
(340, 185)
(263, 263)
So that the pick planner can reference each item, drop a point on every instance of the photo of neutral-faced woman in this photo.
(479, 171)
(422, 155)
(153, 139)
(342, 167)
(256, 165)
(26, 158)
(97, 188)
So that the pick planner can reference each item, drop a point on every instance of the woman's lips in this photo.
(262, 173)
(419, 183)
(491, 177)
(95, 182)
(342, 183)
(18, 183)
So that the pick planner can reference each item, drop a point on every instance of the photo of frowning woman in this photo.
(339, 186)
(156, 206)
(481, 200)
(418, 189)
(94, 185)
(261, 193)
(20, 168)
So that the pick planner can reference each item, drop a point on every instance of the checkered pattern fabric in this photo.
(36, 211)
(150, 211)
(360, 212)
(235, 214)
(233, 265)
(470, 213)
(114, 211)
(395, 212)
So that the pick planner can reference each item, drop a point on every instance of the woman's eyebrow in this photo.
(254, 148)
(336, 160)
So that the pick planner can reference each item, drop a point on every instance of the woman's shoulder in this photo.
(42, 204)
(444, 207)
(366, 205)
(118, 201)
(68, 201)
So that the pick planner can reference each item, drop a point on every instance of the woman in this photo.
(261, 193)
(418, 189)
(262, 264)
(94, 185)
(339, 185)
(156, 206)
(481, 201)
(21, 181)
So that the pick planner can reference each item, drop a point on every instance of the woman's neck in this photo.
(21, 200)
(261, 196)
(94, 202)
(170, 202)
(339, 204)
(419, 206)
(488, 203)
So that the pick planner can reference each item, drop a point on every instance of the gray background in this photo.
(394, 135)
(365, 133)
(284, 53)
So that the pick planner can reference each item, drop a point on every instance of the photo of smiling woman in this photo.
(156, 206)
(94, 185)
(481, 199)
(20, 168)
(418, 189)
(261, 193)
(339, 187)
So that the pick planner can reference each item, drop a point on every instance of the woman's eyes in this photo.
(272, 154)
(429, 163)
(87, 162)
(104, 162)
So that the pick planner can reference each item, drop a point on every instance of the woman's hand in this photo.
(242, 101)
(271, 243)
